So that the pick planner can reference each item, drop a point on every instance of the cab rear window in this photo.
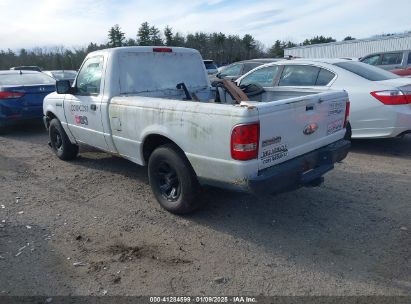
(153, 72)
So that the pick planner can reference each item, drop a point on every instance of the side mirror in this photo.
(63, 87)
(218, 75)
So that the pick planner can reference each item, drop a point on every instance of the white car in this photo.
(380, 100)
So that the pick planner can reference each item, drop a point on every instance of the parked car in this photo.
(398, 62)
(27, 68)
(210, 66)
(351, 58)
(380, 100)
(62, 74)
(222, 67)
(155, 107)
(236, 69)
(22, 94)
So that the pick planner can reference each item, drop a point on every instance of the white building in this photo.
(352, 48)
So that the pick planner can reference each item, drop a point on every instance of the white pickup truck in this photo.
(155, 107)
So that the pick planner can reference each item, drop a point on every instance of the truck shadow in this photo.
(345, 231)
(101, 161)
(397, 147)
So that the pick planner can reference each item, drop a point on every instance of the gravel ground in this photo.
(92, 227)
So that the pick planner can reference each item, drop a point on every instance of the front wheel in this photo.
(60, 143)
(172, 180)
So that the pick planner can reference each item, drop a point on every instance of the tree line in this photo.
(220, 47)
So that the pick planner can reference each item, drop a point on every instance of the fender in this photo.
(53, 106)
(158, 130)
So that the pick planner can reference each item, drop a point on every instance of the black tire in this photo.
(173, 180)
(60, 143)
(348, 132)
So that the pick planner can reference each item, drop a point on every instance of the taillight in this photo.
(244, 141)
(347, 113)
(162, 50)
(392, 97)
(10, 95)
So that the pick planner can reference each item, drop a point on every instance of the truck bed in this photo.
(203, 129)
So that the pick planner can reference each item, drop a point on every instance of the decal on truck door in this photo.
(81, 120)
(78, 108)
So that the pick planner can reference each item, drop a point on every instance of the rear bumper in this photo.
(14, 115)
(10, 122)
(304, 170)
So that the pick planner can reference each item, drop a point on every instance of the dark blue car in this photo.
(22, 94)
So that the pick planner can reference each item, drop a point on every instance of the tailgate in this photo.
(292, 127)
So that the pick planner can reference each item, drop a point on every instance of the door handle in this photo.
(93, 107)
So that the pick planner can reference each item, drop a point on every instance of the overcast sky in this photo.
(74, 23)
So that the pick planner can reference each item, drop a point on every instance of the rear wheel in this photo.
(348, 132)
(172, 180)
(60, 143)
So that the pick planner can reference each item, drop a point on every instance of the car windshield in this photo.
(366, 71)
(26, 79)
(210, 66)
(64, 75)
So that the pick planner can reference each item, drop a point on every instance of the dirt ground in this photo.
(93, 227)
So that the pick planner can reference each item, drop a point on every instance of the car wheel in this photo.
(60, 143)
(173, 180)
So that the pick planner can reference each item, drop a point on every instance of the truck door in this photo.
(83, 109)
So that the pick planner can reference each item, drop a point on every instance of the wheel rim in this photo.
(56, 139)
(168, 182)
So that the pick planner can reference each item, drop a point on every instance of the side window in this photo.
(249, 66)
(263, 76)
(409, 58)
(324, 77)
(373, 60)
(391, 58)
(89, 78)
(299, 75)
(232, 70)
